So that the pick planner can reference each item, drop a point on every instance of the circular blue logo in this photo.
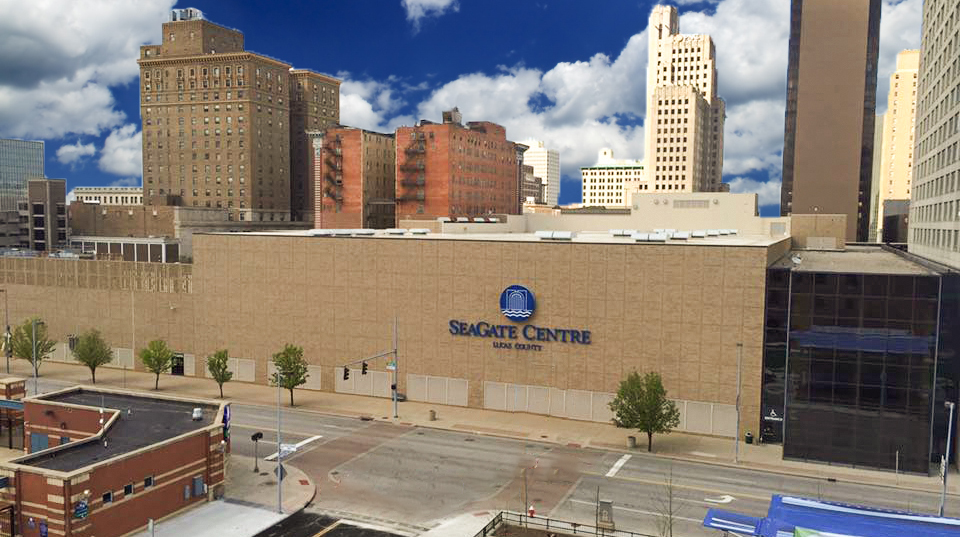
(517, 303)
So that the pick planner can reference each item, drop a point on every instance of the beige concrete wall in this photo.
(676, 309)
(818, 231)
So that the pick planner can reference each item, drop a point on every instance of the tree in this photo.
(641, 403)
(23, 344)
(92, 351)
(291, 368)
(666, 506)
(217, 365)
(157, 358)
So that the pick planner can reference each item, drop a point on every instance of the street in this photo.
(409, 479)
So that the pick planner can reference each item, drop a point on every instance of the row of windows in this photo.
(128, 489)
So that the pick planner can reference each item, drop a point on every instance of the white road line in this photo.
(618, 465)
(298, 445)
(642, 512)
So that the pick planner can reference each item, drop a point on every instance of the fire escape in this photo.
(333, 172)
(412, 171)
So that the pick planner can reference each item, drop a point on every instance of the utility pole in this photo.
(396, 366)
(279, 452)
(736, 435)
(945, 465)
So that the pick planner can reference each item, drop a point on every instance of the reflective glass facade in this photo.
(857, 366)
(20, 160)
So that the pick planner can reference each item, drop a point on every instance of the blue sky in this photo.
(570, 73)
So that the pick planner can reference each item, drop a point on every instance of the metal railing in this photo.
(572, 528)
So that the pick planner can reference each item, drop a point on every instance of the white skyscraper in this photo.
(546, 165)
(611, 181)
(934, 226)
(684, 123)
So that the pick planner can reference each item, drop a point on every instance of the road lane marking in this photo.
(678, 486)
(329, 528)
(618, 465)
(642, 512)
(726, 498)
(298, 445)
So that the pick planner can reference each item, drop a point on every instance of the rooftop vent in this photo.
(555, 235)
(396, 231)
(480, 220)
(443, 219)
(699, 234)
(713, 233)
(462, 219)
(419, 231)
(681, 235)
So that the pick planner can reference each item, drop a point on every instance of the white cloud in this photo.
(72, 153)
(122, 152)
(768, 192)
(129, 181)
(420, 9)
(900, 26)
(59, 60)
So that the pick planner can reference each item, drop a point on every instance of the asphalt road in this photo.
(411, 478)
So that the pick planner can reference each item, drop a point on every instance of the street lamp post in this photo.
(6, 335)
(279, 452)
(736, 434)
(36, 389)
(946, 456)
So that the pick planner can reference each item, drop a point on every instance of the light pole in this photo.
(279, 452)
(946, 456)
(36, 322)
(6, 335)
(736, 435)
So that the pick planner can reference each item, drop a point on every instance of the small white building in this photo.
(107, 195)
(608, 182)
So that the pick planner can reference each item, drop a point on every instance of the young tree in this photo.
(22, 343)
(666, 506)
(157, 358)
(217, 365)
(291, 368)
(641, 403)
(92, 351)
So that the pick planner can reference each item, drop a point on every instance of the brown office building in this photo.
(831, 101)
(43, 216)
(222, 127)
(354, 178)
(314, 104)
(452, 170)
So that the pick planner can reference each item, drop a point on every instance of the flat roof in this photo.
(860, 259)
(579, 237)
(143, 421)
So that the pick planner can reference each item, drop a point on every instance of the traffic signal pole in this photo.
(392, 353)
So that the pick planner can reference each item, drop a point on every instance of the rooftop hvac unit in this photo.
(396, 231)
(443, 219)
(699, 234)
(681, 236)
(419, 231)
(713, 233)
(461, 219)
(480, 220)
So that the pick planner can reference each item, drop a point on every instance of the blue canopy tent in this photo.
(787, 515)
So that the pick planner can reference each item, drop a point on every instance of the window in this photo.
(128, 489)
(107, 497)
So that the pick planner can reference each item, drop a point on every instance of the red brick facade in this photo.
(456, 171)
(354, 179)
(151, 482)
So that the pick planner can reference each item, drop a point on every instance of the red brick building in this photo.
(102, 462)
(354, 178)
(452, 170)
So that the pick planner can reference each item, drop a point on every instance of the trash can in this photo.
(433, 415)
(632, 442)
(748, 437)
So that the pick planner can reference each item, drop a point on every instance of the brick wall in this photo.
(91, 220)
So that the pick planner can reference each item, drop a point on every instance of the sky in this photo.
(567, 72)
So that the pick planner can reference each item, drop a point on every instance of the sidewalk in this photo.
(249, 507)
(718, 451)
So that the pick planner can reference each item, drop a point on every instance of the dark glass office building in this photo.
(860, 356)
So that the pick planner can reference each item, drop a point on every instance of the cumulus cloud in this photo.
(73, 153)
(59, 60)
(421, 9)
(129, 181)
(768, 192)
(122, 152)
(368, 103)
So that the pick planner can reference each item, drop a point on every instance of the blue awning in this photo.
(11, 404)
(786, 514)
(727, 521)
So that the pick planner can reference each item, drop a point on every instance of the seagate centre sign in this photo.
(517, 303)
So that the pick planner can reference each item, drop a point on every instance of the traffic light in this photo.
(363, 369)
(346, 373)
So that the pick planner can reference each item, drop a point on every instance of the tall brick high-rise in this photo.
(448, 169)
(223, 127)
(354, 178)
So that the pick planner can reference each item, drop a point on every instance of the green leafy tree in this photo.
(291, 369)
(157, 358)
(217, 365)
(92, 351)
(641, 403)
(22, 343)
